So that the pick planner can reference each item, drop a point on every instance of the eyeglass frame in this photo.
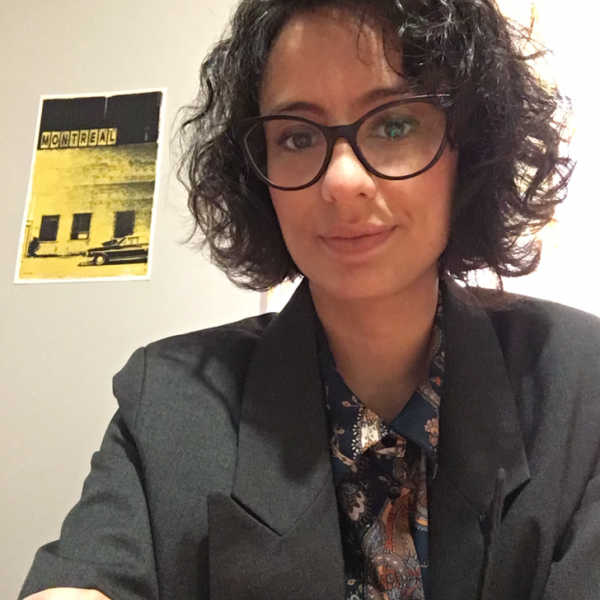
(332, 134)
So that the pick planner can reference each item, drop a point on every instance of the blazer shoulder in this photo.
(239, 334)
(541, 323)
(526, 328)
(172, 370)
(551, 353)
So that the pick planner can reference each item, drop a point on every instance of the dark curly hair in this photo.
(507, 124)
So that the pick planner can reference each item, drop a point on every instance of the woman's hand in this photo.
(68, 594)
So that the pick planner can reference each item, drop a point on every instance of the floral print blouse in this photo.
(381, 473)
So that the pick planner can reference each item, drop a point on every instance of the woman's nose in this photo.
(346, 177)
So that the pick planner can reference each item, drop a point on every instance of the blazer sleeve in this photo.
(576, 572)
(106, 539)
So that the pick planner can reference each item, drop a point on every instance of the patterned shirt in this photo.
(381, 473)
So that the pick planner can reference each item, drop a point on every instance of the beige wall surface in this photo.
(60, 343)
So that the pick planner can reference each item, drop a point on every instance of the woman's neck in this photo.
(381, 348)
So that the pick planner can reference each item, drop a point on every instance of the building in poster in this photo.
(92, 188)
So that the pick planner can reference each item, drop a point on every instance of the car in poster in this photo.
(131, 248)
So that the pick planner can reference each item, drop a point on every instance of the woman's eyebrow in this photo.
(383, 93)
(290, 107)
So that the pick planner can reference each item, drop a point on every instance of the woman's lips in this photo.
(356, 244)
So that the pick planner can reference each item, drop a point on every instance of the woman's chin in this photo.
(372, 286)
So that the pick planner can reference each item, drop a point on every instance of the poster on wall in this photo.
(92, 189)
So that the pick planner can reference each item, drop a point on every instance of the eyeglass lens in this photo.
(397, 141)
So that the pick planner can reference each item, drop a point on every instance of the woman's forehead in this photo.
(326, 50)
(313, 29)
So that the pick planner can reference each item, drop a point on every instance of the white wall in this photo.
(570, 259)
(61, 343)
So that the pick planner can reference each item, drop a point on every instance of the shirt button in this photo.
(389, 441)
(394, 492)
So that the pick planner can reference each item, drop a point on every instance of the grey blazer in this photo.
(214, 478)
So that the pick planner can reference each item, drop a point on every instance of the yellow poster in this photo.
(92, 188)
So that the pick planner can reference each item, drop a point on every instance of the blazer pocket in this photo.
(250, 561)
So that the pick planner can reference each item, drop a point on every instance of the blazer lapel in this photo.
(479, 434)
(277, 536)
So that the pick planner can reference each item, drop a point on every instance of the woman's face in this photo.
(355, 236)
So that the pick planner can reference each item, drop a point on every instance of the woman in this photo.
(388, 435)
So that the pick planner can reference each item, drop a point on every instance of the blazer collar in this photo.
(277, 535)
(479, 434)
(479, 424)
(283, 450)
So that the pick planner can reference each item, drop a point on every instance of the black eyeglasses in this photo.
(398, 140)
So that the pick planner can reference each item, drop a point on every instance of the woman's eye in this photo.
(395, 129)
(297, 140)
